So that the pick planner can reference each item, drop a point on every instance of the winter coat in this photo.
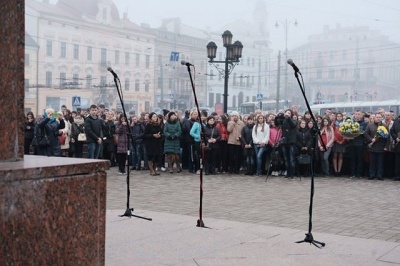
(275, 135)
(304, 139)
(94, 129)
(195, 132)
(137, 132)
(122, 144)
(51, 127)
(109, 130)
(289, 131)
(153, 145)
(172, 134)
(209, 133)
(235, 132)
(370, 132)
(76, 130)
(223, 131)
(187, 126)
(247, 137)
(29, 132)
(395, 133)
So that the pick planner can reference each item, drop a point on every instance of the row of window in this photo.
(89, 54)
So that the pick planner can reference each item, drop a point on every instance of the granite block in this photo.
(52, 211)
(12, 17)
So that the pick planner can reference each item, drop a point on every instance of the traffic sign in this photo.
(76, 101)
(260, 97)
(174, 56)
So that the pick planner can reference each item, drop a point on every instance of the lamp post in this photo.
(286, 25)
(233, 53)
(357, 74)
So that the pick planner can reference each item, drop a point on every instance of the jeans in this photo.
(93, 150)
(259, 151)
(289, 152)
(325, 161)
(137, 151)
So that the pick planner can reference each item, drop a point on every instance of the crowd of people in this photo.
(285, 144)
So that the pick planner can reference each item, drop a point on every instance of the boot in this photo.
(151, 164)
(170, 162)
(154, 169)
(248, 166)
(178, 164)
(251, 167)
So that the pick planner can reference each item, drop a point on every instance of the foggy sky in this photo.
(312, 15)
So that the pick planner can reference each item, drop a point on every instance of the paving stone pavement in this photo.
(347, 207)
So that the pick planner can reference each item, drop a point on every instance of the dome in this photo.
(87, 7)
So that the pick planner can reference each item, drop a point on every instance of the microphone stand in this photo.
(200, 222)
(309, 237)
(128, 211)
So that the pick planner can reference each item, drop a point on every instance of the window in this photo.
(147, 86)
(49, 77)
(104, 14)
(63, 79)
(103, 56)
(63, 49)
(248, 81)
(103, 81)
(88, 81)
(76, 51)
(127, 58)
(49, 48)
(89, 53)
(137, 85)
(26, 83)
(234, 79)
(319, 74)
(127, 84)
(116, 57)
(211, 99)
(137, 60)
(75, 79)
(211, 74)
(26, 59)
(147, 61)
(331, 73)
(218, 98)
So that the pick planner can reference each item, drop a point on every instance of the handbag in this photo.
(304, 159)
(82, 137)
(62, 138)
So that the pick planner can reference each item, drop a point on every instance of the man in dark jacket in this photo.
(94, 133)
(356, 147)
(289, 134)
(376, 147)
(395, 135)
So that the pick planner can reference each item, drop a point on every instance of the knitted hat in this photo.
(235, 113)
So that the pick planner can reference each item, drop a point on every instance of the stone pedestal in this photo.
(52, 211)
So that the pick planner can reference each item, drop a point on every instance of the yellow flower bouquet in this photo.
(350, 129)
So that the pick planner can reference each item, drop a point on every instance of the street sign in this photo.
(171, 96)
(76, 101)
(259, 97)
(174, 56)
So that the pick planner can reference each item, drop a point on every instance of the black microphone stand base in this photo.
(310, 239)
(128, 213)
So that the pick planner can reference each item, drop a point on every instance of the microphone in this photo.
(112, 72)
(184, 63)
(295, 68)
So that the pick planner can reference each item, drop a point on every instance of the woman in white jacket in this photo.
(260, 136)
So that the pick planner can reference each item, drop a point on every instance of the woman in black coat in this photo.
(153, 135)
(304, 145)
(29, 131)
(212, 137)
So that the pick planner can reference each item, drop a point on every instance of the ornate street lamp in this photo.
(232, 56)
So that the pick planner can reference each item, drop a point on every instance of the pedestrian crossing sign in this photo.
(260, 97)
(76, 101)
